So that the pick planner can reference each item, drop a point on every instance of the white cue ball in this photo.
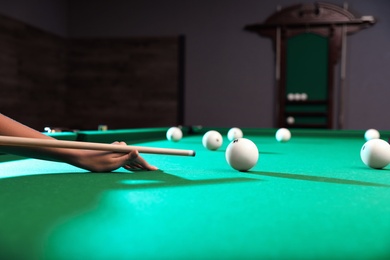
(212, 140)
(283, 135)
(242, 154)
(174, 134)
(371, 134)
(234, 133)
(375, 153)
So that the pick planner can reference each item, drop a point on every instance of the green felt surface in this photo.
(129, 135)
(310, 198)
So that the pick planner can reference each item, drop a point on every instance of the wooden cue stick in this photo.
(37, 142)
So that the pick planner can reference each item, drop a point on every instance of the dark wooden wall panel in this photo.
(47, 80)
(32, 74)
(124, 82)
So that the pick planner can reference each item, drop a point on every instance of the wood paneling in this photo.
(32, 74)
(124, 82)
(47, 80)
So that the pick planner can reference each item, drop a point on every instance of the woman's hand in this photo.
(105, 161)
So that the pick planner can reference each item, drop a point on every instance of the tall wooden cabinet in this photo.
(309, 40)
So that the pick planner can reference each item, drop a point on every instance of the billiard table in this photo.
(309, 198)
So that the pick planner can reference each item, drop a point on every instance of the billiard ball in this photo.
(297, 96)
(234, 133)
(212, 140)
(242, 154)
(174, 134)
(371, 134)
(375, 153)
(283, 135)
(290, 120)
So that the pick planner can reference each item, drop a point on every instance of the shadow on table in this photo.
(302, 177)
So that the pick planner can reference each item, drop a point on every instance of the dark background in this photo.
(229, 73)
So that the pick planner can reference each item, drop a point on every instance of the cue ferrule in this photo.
(54, 143)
